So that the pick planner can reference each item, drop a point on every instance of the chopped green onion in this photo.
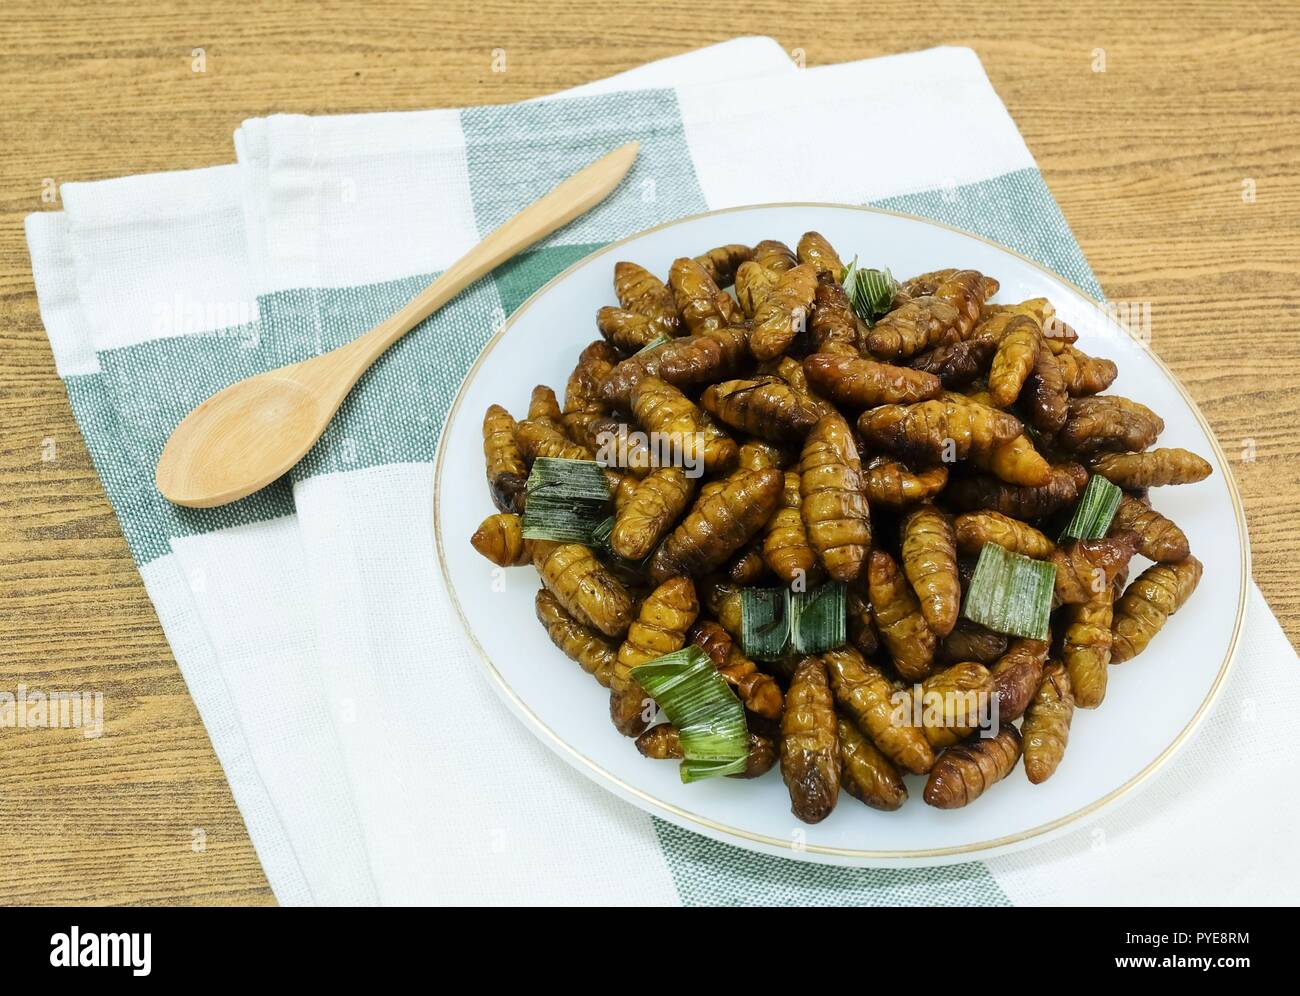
(774, 621)
(694, 771)
(654, 343)
(697, 700)
(764, 622)
(1094, 511)
(1011, 593)
(818, 620)
(565, 500)
(870, 291)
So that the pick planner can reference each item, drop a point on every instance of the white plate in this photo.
(1152, 703)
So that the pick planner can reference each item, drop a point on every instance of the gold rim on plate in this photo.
(723, 829)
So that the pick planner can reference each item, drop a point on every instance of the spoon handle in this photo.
(576, 195)
(245, 436)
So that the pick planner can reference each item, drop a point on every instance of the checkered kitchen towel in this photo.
(366, 753)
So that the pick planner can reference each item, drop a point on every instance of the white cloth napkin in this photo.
(368, 756)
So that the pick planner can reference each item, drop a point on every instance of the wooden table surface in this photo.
(1174, 165)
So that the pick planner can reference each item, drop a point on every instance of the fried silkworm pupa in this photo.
(760, 454)
(817, 252)
(858, 383)
(1015, 460)
(963, 772)
(861, 625)
(625, 330)
(1046, 728)
(766, 407)
(963, 691)
(720, 263)
(908, 637)
(775, 256)
(719, 524)
(980, 491)
(712, 637)
(974, 529)
(1040, 309)
(969, 641)
(753, 285)
(1085, 646)
(833, 327)
(1086, 567)
(956, 364)
(640, 291)
(785, 541)
(703, 305)
(1109, 422)
(657, 503)
(660, 628)
(663, 409)
(790, 370)
(966, 290)
(1159, 539)
(866, 773)
(506, 472)
(1017, 675)
(929, 552)
(500, 538)
(663, 743)
(757, 691)
(544, 407)
(582, 402)
(810, 743)
(748, 568)
(1159, 592)
(937, 431)
(915, 326)
(577, 642)
(542, 439)
(834, 509)
(722, 599)
(1084, 374)
(1154, 468)
(1014, 360)
(696, 359)
(617, 445)
(583, 586)
(782, 315)
(1044, 398)
(623, 493)
(864, 692)
(889, 482)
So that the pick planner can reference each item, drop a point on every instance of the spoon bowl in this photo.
(234, 425)
(254, 431)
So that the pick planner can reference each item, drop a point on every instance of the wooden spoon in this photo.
(252, 432)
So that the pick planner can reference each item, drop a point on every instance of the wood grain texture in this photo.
(1147, 160)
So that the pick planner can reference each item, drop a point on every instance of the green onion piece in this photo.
(1095, 509)
(764, 622)
(694, 771)
(565, 500)
(1011, 593)
(818, 620)
(870, 291)
(654, 343)
(698, 701)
